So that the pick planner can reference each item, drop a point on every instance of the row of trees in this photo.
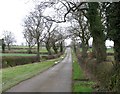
(87, 21)
(91, 19)
(99, 20)
(38, 29)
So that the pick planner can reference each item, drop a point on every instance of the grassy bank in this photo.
(14, 75)
(80, 83)
(16, 54)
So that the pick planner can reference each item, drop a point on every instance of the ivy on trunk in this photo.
(96, 30)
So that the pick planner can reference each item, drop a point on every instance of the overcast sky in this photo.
(12, 13)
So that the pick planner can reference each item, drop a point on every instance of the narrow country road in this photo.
(55, 79)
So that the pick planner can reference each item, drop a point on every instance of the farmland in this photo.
(19, 73)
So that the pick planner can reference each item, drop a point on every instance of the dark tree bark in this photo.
(113, 19)
(38, 50)
(8, 47)
(61, 47)
(97, 32)
(117, 51)
(48, 47)
(3, 46)
(54, 47)
(29, 49)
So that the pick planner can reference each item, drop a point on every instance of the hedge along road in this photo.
(55, 79)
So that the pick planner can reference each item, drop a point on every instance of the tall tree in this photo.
(81, 31)
(31, 41)
(96, 30)
(113, 19)
(34, 23)
(113, 23)
(49, 32)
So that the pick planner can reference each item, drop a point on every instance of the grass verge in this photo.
(14, 75)
(77, 71)
(83, 86)
(79, 81)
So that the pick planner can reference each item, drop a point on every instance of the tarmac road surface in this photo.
(55, 79)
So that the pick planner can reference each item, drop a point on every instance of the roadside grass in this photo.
(77, 71)
(14, 75)
(83, 87)
(79, 85)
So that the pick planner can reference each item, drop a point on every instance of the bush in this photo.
(17, 60)
(110, 54)
(101, 71)
(10, 61)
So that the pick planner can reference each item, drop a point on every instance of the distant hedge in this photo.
(10, 61)
(33, 52)
(52, 56)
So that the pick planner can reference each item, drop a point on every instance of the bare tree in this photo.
(79, 28)
(9, 38)
(92, 12)
(34, 23)
(49, 32)
(31, 41)
(57, 39)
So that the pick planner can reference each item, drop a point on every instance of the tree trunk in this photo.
(117, 51)
(97, 32)
(29, 49)
(61, 47)
(75, 49)
(84, 44)
(99, 49)
(8, 46)
(38, 49)
(84, 50)
(48, 48)
(55, 48)
(3, 46)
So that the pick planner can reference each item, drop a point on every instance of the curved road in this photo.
(55, 79)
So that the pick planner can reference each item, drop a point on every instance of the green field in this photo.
(21, 46)
(25, 49)
(109, 50)
(14, 75)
